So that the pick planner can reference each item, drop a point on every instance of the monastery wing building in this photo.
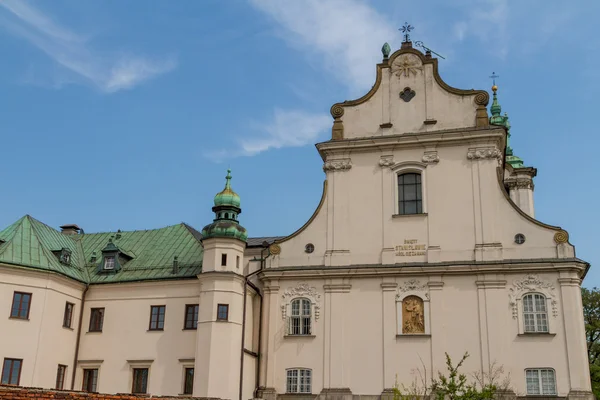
(424, 243)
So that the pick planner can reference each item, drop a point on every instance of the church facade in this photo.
(424, 243)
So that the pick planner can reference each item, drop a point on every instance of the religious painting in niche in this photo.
(413, 319)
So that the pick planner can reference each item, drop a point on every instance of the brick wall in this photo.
(24, 393)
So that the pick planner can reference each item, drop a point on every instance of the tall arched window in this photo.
(535, 314)
(300, 317)
(410, 199)
(413, 315)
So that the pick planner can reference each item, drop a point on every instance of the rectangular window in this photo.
(409, 194)
(68, 317)
(109, 262)
(90, 380)
(223, 260)
(540, 381)
(191, 316)
(140, 380)
(188, 385)
(157, 318)
(222, 312)
(20, 305)
(11, 371)
(298, 381)
(96, 319)
(60, 376)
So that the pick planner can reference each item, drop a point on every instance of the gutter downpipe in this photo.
(246, 284)
(77, 340)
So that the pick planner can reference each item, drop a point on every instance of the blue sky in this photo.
(122, 114)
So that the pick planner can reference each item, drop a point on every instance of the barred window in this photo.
(300, 318)
(299, 380)
(535, 315)
(540, 381)
(409, 194)
(140, 381)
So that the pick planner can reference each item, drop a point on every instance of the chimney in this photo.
(70, 229)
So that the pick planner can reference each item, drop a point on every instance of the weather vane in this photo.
(494, 76)
(406, 28)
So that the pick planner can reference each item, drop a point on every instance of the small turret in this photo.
(226, 209)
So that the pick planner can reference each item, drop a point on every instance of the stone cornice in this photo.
(337, 288)
(445, 268)
(486, 137)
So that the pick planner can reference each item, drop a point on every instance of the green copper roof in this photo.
(226, 209)
(30, 243)
(502, 120)
(227, 197)
(144, 255)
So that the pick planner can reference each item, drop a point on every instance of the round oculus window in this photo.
(309, 248)
(519, 238)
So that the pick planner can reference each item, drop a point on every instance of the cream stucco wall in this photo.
(41, 341)
(356, 343)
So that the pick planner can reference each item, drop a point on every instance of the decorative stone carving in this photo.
(483, 153)
(337, 165)
(561, 237)
(407, 94)
(337, 111)
(413, 315)
(412, 285)
(275, 249)
(386, 161)
(520, 184)
(532, 283)
(407, 64)
(482, 98)
(302, 290)
(430, 157)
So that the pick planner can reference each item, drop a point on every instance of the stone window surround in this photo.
(521, 318)
(301, 291)
(82, 365)
(136, 364)
(399, 304)
(186, 363)
(404, 167)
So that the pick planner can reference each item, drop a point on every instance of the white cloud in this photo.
(347, 34)
(71, 51)
(486, 20)
(286, 128)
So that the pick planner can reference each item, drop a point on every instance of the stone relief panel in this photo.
(413, 315)
(386, 161)
(531, 284)
(407, 65)
(431, 157)
(337, 165)
(302, 290)
(484, 153)
(412, 287)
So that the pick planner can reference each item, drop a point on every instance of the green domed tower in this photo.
(226, 209)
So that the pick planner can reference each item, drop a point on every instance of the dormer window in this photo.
(65, 257)
(109, 262)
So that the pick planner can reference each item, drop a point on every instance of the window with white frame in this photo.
(535, 314)
(299, 380)
(540, 381)
(300, 317)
